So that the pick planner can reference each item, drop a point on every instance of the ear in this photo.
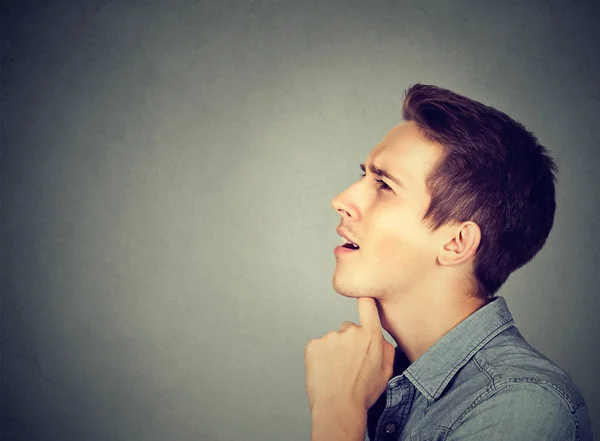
(462, 244)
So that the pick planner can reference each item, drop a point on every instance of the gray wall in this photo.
(167, 173)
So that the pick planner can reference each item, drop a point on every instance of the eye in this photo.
(382, 185)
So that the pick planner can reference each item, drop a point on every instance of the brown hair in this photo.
(492, 172)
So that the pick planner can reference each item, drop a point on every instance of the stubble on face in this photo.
(397, 248)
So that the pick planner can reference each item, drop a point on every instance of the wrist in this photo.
(338, 409)
(338, 421)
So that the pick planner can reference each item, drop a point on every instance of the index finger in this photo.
(368, 313)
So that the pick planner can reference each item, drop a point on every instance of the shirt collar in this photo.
(434, 369)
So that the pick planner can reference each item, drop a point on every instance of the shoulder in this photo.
(511, 361)
(527, 396)
(522, 409)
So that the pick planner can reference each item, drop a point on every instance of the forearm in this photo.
(338, 423)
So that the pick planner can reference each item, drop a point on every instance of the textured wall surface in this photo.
(167, 174)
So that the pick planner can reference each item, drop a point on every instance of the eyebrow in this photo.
(381, 172)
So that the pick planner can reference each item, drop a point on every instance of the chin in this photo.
(345, 288)
(349, 295)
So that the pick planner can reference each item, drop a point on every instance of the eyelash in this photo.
(382, 185)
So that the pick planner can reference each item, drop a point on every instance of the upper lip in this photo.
(345, 236)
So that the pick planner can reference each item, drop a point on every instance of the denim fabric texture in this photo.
(480, 381)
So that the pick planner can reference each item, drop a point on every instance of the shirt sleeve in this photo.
(523, 411)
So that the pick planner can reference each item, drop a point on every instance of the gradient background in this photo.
(167, 174)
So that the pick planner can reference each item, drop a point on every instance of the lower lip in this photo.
(342, 250)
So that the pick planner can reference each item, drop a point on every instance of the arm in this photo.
(519, 411)
(338, 423)
(346, 372)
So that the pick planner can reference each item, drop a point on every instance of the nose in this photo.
(341, 204)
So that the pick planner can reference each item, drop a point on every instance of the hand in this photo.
(350, 367)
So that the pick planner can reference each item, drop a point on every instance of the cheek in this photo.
(389, 233)
(401, 237)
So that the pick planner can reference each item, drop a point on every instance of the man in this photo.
(453, 200)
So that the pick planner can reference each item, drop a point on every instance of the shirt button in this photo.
(390, 428)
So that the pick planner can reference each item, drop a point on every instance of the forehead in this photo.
(405, 153)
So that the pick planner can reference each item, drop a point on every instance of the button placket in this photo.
(392, 418)
(390, 427)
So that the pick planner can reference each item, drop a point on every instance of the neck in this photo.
(417, 321)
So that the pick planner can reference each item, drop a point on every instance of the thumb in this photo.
(389, 354)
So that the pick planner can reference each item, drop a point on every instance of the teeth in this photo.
(344, 241)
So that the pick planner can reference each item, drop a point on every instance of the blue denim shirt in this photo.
(480, 381)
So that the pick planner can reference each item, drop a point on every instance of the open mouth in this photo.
(349, 245)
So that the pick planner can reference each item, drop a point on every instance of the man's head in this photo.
(477, 201)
